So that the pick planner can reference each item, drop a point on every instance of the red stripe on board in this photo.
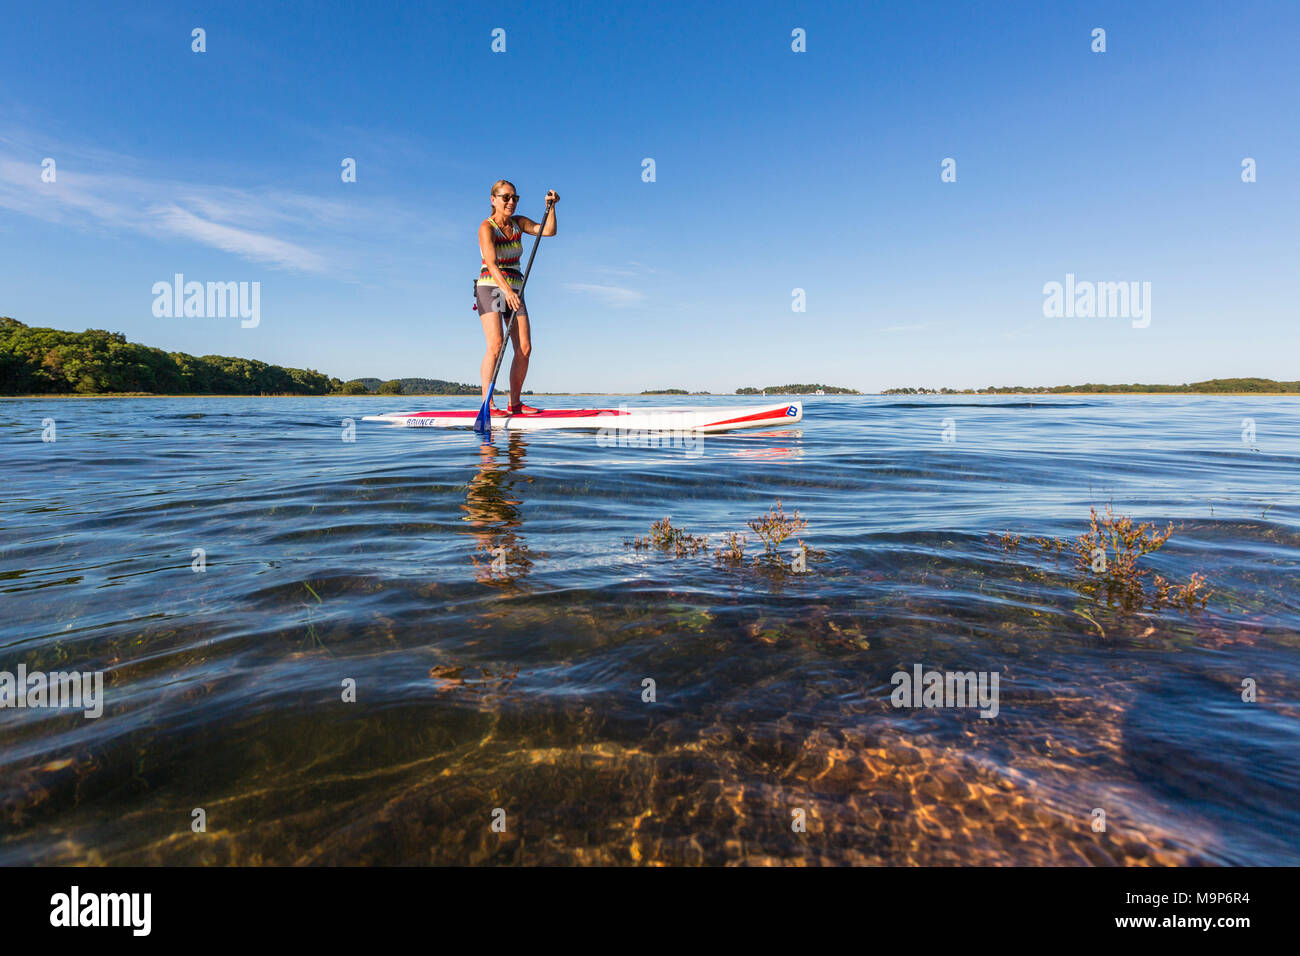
(757, 416)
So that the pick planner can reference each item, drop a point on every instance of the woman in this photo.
(500, 241)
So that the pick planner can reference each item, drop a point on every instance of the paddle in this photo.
(481, 423)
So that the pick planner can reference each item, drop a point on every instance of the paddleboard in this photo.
(697, 418)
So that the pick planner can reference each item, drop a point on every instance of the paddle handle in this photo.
(510, 323)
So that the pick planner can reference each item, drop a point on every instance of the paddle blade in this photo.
(483, 422)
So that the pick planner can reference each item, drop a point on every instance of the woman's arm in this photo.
(532, 228)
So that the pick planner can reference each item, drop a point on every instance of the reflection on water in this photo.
(500, 638)
(492, 511)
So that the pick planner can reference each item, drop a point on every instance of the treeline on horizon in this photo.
(42, 361)
(797, 390)
(411, 386)
(1208, 387)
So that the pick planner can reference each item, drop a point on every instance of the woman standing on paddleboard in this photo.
(500, 241)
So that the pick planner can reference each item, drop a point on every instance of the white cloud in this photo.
(904, 328)
(251, 245)
(291, 231)
(612, 295)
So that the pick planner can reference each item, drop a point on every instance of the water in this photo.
(516, 693)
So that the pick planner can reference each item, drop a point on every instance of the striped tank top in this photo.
(508, 250)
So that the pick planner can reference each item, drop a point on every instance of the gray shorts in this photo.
(489, 298)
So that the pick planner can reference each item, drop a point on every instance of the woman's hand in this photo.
(512, 298)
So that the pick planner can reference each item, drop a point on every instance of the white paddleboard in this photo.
(697, 418)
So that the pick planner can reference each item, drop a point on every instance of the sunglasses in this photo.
(507, 198)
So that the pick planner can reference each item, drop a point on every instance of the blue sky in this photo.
(775, 170)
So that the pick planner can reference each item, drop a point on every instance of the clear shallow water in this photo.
(521, 689)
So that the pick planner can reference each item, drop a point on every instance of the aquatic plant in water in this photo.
(1052, 545)
(667, 538)
(509, 560)
(1186, 595)
(733, 548)
(1114, 543)
(313, 639)
(1109, 552)
(773, 528)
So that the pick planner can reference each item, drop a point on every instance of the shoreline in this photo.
(1053, 394)
(69, 396)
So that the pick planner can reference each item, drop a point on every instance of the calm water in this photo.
(520, 687)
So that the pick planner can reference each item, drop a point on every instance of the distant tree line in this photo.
(1210, 386)
(798, 390)
(40, 361)
(51, 361)
(928, 391)
(411, 386)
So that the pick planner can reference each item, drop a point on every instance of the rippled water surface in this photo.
(500, 627)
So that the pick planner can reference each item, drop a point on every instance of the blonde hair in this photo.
(493, 191)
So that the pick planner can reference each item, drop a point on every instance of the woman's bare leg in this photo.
(522, 340)
(493, 332)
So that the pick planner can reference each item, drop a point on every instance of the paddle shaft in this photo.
(510, 323)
